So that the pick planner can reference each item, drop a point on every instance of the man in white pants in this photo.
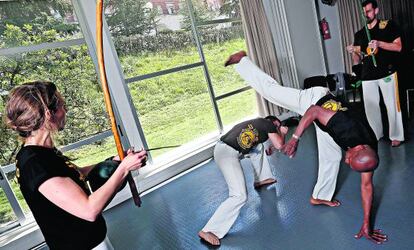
(246, 138)
(385, 46)
(296, 100)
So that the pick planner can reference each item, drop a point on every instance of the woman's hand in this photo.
(117, 158)
(133, 161)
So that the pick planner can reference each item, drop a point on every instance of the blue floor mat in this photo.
(278, 216)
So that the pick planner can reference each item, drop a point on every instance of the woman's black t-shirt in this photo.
(62, 230)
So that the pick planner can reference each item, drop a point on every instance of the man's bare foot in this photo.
(209, 237)
(333, 203)
(395, 143)
(235, 58)
(266, 182)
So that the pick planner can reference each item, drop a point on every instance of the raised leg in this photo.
(289, 98)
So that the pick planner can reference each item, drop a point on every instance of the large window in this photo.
(173, 62)
(41, 40)
(171, 55)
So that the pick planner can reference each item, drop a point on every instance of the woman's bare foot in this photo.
(395, 143)
(333, 203)
(209, 238)
(266, 182)
(235, 58)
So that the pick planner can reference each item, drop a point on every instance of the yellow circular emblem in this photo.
(247, 138)
(330, 105)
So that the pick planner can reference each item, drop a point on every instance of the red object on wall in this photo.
(324, 26)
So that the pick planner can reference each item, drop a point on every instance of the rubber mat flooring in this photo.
(278, 216)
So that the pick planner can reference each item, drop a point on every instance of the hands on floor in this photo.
(375, 235)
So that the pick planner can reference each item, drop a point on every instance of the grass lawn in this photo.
(176, 108)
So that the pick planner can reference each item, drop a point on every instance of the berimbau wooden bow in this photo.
(108, 103)
(370, 53)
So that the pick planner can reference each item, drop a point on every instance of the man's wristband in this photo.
(296, 137)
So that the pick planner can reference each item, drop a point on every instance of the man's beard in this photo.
(369, 21)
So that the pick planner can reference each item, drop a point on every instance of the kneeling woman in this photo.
(69, 216)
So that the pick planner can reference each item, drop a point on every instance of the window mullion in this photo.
(17, 209)
(205, 68)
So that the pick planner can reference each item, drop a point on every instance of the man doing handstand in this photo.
(354, 137)
(337, 128)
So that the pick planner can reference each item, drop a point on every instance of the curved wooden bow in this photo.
(369, 51)
(108, 103)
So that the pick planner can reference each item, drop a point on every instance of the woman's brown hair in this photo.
(27, 106)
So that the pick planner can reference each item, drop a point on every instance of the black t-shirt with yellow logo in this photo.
(246, 135)
(384, 30)
(347, 127)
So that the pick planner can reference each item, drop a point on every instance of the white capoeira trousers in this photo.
(104, 245)
(389, 90)
(329, 153)
(228, 161)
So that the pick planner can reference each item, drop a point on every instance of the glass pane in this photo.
(224, 79)
(25, 23)
(7, 216)
(237, 108)
(91, 154)
(150, 36)
(11, 177)
(72, 70)
(174, 109)
(216, 9)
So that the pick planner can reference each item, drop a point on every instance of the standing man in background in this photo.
(385, 44)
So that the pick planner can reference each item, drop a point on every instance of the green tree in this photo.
(130, 17)
(38, 13)
(200, 13)
(231, 9)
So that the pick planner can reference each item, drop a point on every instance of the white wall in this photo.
(305, 36)
(333, 46)
(312, 55)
